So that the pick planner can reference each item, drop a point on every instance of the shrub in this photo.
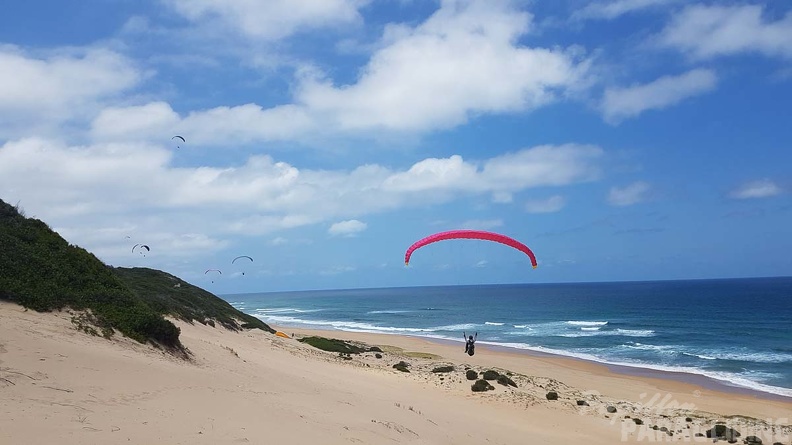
(443, 369)
(490, 375)
(481, 385)
(505, 381)
(402, 366)
(332, 345)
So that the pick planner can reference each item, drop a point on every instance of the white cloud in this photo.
(347, 228)
(104, 192)
(710, 31)
(622, 103)
(502, 197)
(62, 85)
(463, 61)
(608, 10)
(542, 165)
(629, 195)
(549, 205)
(763, 188)
(156, 119)
(270, 19)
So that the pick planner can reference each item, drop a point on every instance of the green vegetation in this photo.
(505, 381)
(490, 374)
(481, 386)
(41, 271)
(402, 366)
(332, 345)
(167, 294)
(440, 369)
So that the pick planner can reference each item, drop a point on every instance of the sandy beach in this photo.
(59, 385)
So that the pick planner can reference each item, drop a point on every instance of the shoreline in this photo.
(62, 385)
(702, 381)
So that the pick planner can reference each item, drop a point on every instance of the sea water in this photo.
(738, 331)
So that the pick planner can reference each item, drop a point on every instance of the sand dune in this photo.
(58, 385)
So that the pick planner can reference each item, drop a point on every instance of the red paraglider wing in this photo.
(470, 234)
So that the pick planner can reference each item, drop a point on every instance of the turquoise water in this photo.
(736, 331)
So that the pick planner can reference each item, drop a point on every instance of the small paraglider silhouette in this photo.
(239, 257)
(140, 248)
(178, 137)
(213, 270)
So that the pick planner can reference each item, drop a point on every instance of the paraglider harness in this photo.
(470, 343)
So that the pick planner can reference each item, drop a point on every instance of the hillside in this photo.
(168, 294)
(42, 271)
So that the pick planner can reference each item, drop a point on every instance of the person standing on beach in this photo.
(469, 343)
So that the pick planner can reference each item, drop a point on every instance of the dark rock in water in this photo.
(471, 374)
(753, 440)
(611, 409)
(638, 421)
(402, 366)
(378, 355)
(491, 375)
(582, 403)
(482, 385)
(722, 432)
(505, 381)
(374, 349)
(443, 369)
(552, 395)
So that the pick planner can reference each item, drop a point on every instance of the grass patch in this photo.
(332, 345)
(422, 355)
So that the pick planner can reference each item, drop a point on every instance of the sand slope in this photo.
(58, 385)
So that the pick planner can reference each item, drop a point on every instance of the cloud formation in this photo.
(347, 228)
(628, 195)
(622, 103)
(272, 19)
(58, 86)
(705, 32)
(464, 60)
(609, 10)
(103, 192)
(763, 188)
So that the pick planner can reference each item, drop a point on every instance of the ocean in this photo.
(737, 331)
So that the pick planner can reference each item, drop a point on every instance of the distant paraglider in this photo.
(213, 271)
(470, 234)
(178, 137)
(243, 257)
(140, 248)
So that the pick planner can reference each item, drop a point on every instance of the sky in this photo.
(619, 139)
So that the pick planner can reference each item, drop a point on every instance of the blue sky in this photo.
(619, 139)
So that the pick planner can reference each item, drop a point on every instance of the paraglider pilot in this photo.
(469, 343)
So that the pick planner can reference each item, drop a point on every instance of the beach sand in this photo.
(59, 385)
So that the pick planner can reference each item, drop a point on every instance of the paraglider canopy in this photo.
(178, 137)
(140, 248)
(213, 270)
(241, 257)
(470, 234)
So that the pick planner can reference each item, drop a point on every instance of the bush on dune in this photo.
(332, 345)
(41, 271)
